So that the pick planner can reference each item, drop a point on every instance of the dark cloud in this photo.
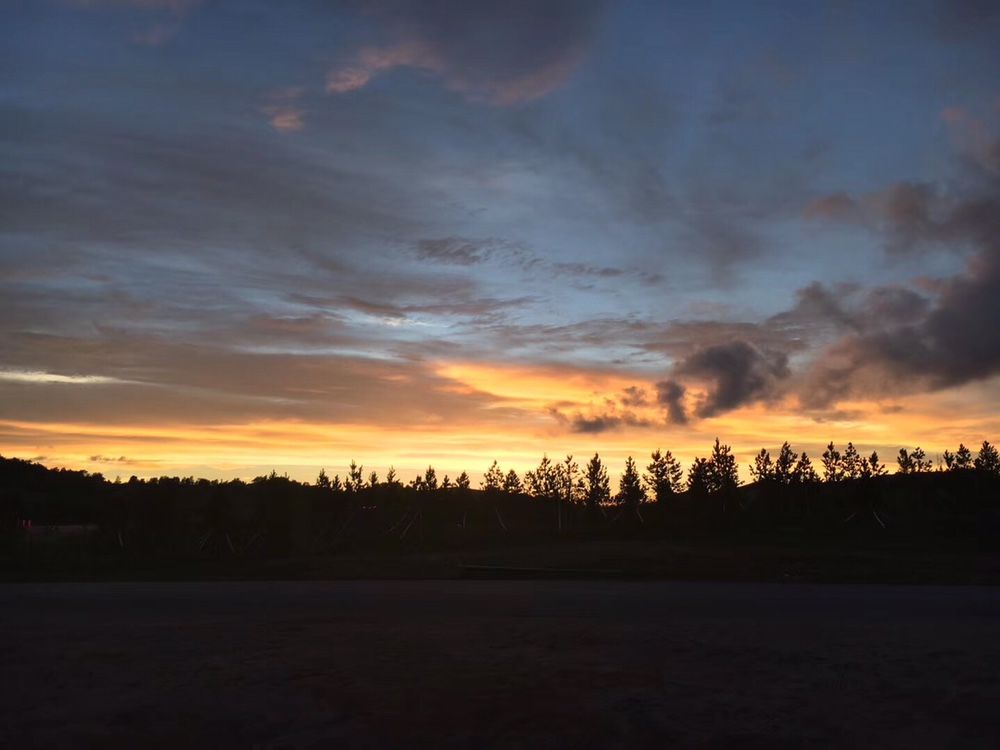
(99, 459)
(893, 305)
(738, 373)
(593, 424)
(670, 395)
(915, 216)
(902, 340)
(852, 341)
(822, 310)
(817, 305)
(633, 396)
(930, 346)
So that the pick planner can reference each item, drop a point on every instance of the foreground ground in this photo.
(498, 663)
(784, 558)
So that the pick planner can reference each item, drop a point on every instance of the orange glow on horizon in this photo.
(301, 448)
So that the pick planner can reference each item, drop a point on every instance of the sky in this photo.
(239, 235)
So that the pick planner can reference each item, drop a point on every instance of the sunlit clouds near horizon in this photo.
(244, 236)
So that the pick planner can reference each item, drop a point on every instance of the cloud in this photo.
(456, 250)
(594, 424)
(586, 269)
(915, 216)
(736, 373)
(462, 303)
(840, 337)
(499, 53)
(41, 377)
(173, 6)
(973, 137)
(283, 109)
(838, 206)
(910, 215)
(160, 32)
(849, 341)
(904, 340)
(723, 237)
(372, 61)
(634, 396)
(822, 310)
(139, 378)
(99, 459)
(925, 346)
(682, 339)
(465, 251)
(670, 395)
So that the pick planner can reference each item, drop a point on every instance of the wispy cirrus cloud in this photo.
(284, 110)
(170, 13)
(41, 377)
(499, 53)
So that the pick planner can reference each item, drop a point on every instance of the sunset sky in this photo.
(242, 235)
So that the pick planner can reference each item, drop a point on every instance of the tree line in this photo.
(664, 476)
(272, 516)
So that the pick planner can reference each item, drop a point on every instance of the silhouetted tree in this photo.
(763, 468)
(355, 478)
(784, 464)
(630, 492)
(569, 480)
(598, 488)
(920, 461)
(701, 477)
(851, 463)
(873, 467)
(988, 460)
(390, 477)
(727, 476)
(949, 460)
(323, 481)
(462, 482)
(446, 483)
(430, 479)
(664, 476)
(493, 480)
(963, 457)
(832, 469)
(543, 481)
(336, 485)
(512, 483)
(373, 480)
(905, 462)
(804, 472)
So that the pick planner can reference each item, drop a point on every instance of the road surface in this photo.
(498, 664)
